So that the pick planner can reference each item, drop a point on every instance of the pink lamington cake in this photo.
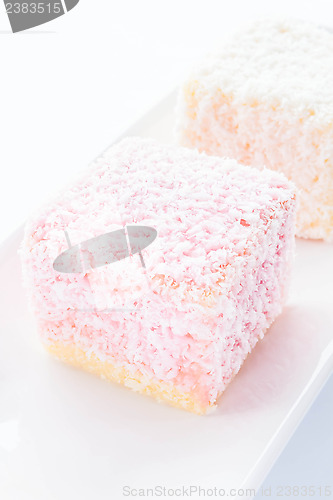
(175, 313)
(265, 97)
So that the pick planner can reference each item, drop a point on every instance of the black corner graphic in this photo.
(25, 14)
(70, 4)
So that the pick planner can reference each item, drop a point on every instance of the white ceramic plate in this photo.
(65, 434)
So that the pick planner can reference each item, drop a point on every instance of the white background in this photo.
(70, 87)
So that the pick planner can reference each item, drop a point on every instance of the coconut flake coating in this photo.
(215, 277)
(266, 98)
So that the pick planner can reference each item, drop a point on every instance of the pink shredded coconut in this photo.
(215, 276)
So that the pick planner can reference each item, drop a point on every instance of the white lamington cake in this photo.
(266, 98)
(176, 319)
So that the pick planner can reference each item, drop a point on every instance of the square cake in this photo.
(266, 98)
(160, 268)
